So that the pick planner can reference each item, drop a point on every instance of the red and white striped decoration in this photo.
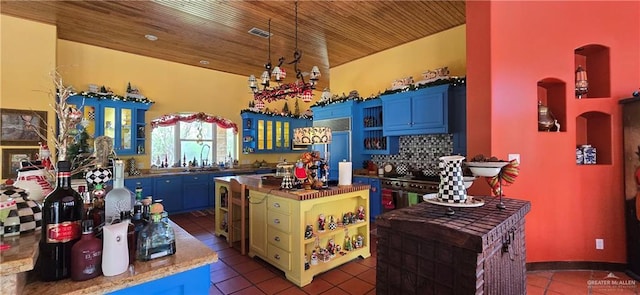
(307, 95)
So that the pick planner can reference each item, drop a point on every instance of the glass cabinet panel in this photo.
(261, 141)
(269, 135)
(278, 134)
(125, 127)
(286, 137)
(109, 122)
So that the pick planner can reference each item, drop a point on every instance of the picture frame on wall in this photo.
(11, 159)
(17, 127)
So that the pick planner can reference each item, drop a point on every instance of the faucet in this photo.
(202, 161)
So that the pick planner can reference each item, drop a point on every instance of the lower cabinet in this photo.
(277, 232)
(375, 195)
(195, 281)
(195, 192)
(145, 183)
(169, 190)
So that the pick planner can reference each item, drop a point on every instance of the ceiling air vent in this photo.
(259, 32)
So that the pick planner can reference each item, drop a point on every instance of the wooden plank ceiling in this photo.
(330, 33)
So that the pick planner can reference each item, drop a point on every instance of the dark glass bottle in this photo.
(86, 255)
(61, 216)
(125, 216)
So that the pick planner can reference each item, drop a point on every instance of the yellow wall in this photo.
(375, 73)
(27, 62)
(27, 57)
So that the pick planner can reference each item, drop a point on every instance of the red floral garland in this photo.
(172, 119)
(283, 91)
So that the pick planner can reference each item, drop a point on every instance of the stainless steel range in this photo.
(401, 186)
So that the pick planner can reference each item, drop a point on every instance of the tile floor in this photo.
(237, 274)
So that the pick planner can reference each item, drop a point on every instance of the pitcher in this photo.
(451, 188)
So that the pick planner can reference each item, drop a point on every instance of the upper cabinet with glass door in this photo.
(263, 133)
(120, 120)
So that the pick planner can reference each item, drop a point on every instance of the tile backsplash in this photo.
(420, 152)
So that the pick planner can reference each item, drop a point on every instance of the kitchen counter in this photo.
(195, 171)
(17, 262)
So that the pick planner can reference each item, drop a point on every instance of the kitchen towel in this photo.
(344, 173)
(387, 198)
(413, 199)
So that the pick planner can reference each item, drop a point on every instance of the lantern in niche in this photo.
(259, 105)
(307, 95)
(582, 86)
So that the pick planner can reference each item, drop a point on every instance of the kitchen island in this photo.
(185, 272)
(278, 222)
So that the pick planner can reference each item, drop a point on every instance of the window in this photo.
(197, 141)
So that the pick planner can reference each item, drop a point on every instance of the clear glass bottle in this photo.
(156, 239)
(119, 198)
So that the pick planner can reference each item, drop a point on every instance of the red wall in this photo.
(511, 45)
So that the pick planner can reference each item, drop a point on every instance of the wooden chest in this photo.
(421, 250)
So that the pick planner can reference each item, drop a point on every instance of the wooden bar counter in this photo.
(481, 250)
(187, 271)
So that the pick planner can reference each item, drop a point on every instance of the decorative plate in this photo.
(470, 202)
(388, 168)
(487, 164)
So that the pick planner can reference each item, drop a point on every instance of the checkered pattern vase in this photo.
(28, 211)
(451, 187)
(98, 175)
(332, 223)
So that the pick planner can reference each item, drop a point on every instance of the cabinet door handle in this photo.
(167, 181)
(277, 239)
(277, 256)
(276, 221)
(277, 205)
(195, 178)
(373, 189)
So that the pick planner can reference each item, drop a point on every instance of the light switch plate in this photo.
(515, 156)
(599, 244)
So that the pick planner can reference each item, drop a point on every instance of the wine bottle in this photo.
(61, 216)
(119, 198)
(86, 255)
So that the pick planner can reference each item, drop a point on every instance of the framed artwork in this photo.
(17, 126)
(11, 159)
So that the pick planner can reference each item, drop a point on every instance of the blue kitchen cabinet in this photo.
(120, 120)
(375, 195)
(332, 111)
(146, 183)
(458, 119)
(368, 137)
(263, 133)
(194, 281)
(423, 111)
(169, 190)
(195, 191)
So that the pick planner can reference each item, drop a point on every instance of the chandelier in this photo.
(299, 88)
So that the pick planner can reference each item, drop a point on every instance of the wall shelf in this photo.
(594, 128)
(594, 59)
(552, 93)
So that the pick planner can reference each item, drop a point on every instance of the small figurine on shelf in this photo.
(306, 262)
(348, 246)
(359, 242)
(332, 223)
(321, 223)
(331, 248)
(308, 233)
(346, 219)
(354, 218)
(360, 214)
(314, 257)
